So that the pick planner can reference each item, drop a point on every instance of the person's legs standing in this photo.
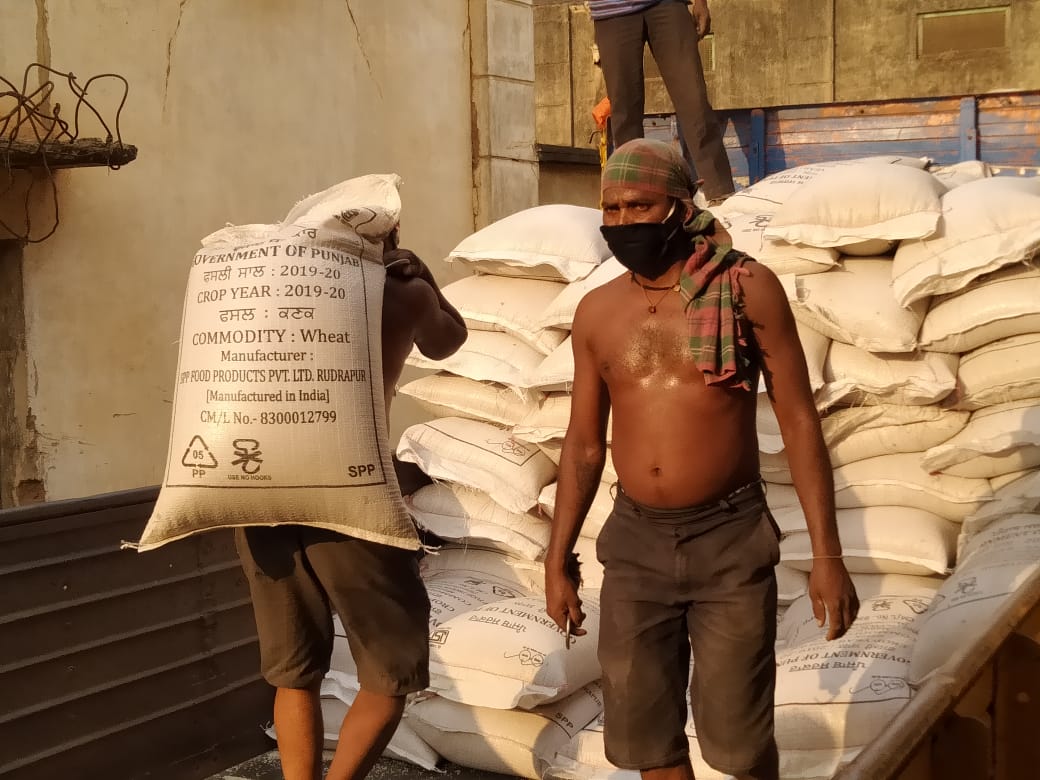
(621, 40)
(295, 629)
(382, 602)
(672, 35)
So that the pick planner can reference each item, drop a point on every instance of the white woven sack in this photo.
(815, 346)
(986, 225)
(900, 479)
(583, 758)
(481, 456)
(791, 584)
(1004, 304)
(774, 468)
(510, 654)
(781, 257)
(602, 506)
(766, 196)
(557, 242)
(799, 624)
(997, 440)
(278, 413)
(860, 432)
(591, 569)
(857, 203)
(998, 372)
(1012, 494)
(781, 496)
(549, 420)
(995, 563)
(480, 565)
(560, 312)
(554, 373)
(447, 395)
(853, 304)
(883, 540)
(516, 743)
(510, 305)
(856, 377)
(842, 694)
(487, 356)
(460, 514)
(961, 173)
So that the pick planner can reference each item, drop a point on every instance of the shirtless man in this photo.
(296, 573)
(674, 348)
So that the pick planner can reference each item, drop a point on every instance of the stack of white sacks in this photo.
(919, 315)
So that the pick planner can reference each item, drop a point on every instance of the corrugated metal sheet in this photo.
(115, 664)
(1003, 130)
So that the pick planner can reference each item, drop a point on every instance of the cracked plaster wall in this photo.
(239, 108)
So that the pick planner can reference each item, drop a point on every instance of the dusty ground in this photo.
(266, 767)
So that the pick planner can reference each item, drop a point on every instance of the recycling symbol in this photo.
(198, 456)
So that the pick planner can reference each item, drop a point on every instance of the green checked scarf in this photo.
(710, 287)
(710, 280)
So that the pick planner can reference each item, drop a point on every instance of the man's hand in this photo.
(833, 596)
(404, 264)
(561, 600)
(702, 17)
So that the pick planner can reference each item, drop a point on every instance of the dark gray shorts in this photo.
(700, 577)
(298, 574)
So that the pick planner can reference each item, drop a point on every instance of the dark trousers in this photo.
(670, 31)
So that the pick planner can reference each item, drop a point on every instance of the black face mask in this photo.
(650, 248)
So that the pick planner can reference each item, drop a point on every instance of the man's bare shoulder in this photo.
(599, 299)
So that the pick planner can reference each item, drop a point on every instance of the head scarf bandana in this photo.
(710, 278)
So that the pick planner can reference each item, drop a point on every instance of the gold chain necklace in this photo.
(652, 305)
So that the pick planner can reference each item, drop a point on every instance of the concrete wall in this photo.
(239, 108)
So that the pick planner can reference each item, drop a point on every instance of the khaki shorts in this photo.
(674, 579)
(298, 574)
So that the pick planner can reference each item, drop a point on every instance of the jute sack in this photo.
(1003, 304)
(839, 695)
(513, 306)
(517, 743)
(995, 562)
(882, 540)
(998, 372)
(602, 506)
(278, 412)
(853, 304)
(487, 356)
(902, 480)
(481, 456)
(461, 514)
(856, 203)
(999, 439)
(558, 242)
(986, 225)
(510, 654)
(781, 257)
(856, 377)
(861, 432)
(447, 395)
(766, 196)
(560, 312)
(549, 420)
